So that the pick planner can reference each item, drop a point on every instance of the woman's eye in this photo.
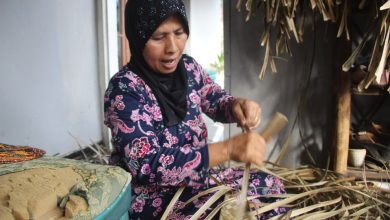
(179, 33)
(158, 37)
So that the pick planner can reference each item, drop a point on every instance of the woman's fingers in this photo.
(240, 116)
(256, 119)
(247, 113)
(252, 111)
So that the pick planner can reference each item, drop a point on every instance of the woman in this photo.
(153, 107)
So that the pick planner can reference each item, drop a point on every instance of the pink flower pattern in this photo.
(161, 159)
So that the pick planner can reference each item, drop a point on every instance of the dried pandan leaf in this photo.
(291, 25)
(238, 5)
(242, 201)
(291, 8)
(324, 12)
(285, 29)
(275, 17)
(279, 44)
(249, 7)
(209, 202)
(206, 192)
(266, 35)
(362, 211)
(286, 3)
(384, 25)
(227, 202)
(283, 47)
(301, 27)
(304, 210)
(268, 12)
(293, 198)
(330, 9)
(265, 61)
(169, 208)
(273, 66)
(383, 59)
(374, 61)
(327, 215)
(313, 4)
(273, 3)
(385, 6)
(295, 7)
(351, 60)
(288, 49)
(347, 31)
(343, 21)
(362, 4)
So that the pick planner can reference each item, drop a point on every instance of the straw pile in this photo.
(313, 193)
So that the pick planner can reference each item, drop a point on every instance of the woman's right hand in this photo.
(246, 147)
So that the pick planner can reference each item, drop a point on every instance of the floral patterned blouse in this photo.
(161, 159)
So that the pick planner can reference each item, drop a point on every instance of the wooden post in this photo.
(343, 85)
(343, 121)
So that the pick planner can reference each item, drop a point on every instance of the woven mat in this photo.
(12, 153)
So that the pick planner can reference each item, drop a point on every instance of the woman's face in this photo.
(163, 50)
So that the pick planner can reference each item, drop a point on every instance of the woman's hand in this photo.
(246, 147)
(247, 113)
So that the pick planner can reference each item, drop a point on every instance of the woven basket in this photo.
(231, 209)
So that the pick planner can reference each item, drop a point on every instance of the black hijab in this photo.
(142, 18)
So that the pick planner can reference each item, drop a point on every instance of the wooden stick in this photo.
(273, 127)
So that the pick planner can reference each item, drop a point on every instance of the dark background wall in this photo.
(307, 75)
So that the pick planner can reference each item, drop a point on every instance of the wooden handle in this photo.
(274, 126)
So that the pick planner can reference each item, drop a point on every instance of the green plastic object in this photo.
(118, 210)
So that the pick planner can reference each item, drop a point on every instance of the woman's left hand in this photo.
(247, 113)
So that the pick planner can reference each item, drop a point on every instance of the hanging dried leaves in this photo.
(286, 20)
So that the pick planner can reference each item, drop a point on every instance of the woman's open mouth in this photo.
(169, 64)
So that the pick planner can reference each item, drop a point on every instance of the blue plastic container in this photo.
(118, 210)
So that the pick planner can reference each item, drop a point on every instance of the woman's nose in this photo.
(171, 44)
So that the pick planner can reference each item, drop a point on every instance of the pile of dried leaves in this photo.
(313, 193)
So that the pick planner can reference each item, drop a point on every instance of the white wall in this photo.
(206, 30)
(205, 44)
(48, 74)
